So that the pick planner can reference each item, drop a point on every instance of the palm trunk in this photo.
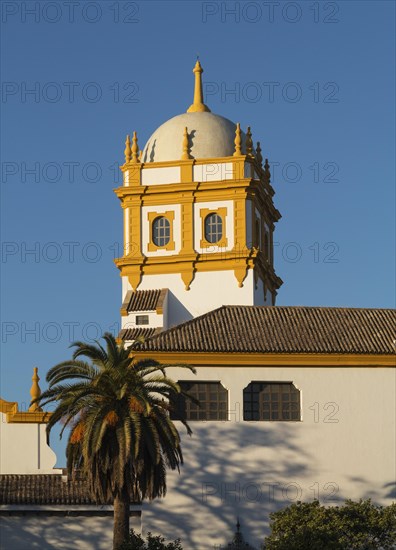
(121, 519)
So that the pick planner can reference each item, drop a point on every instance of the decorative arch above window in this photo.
(212, 398)
(213, 228)
(271, 401)
(161, 231)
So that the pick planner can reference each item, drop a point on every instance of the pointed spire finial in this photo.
(249, 142)
(135, 148)
(259, 156)
(238, 140)
(198, 106)
(267, 170)
(127, 151)
(186, 154)
(35, 391)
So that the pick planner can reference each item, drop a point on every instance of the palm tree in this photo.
(121, 437)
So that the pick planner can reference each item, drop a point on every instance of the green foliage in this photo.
(122, 437)
(353, 526)
(136, 542)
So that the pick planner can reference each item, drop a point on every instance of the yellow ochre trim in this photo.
(10, 409)
(240, 261)
(222, 213)
(127, 152)
(188, 261)
(280, 360)
(135, 149)
(238, 141)
(35, 391)
(170, 216)
(8, 406)
(28, 417)
(198, 106)
(179, 162)
(185, 144)
(35, 414)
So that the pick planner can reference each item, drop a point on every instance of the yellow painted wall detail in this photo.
(238, 141)
(35, 391)
(222, 212)
(185, 144)
(34, 415)
(170, 216)
(248, 181)
(198, 106)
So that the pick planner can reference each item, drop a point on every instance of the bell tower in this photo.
(199, 219)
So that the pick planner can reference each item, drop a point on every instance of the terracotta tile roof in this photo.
(133, 333)
(144, 300)
(277, 329)
(44, 489)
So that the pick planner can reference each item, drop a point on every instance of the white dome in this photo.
(210, 136)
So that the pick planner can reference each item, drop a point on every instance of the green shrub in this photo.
(353, 526)
(136, 542)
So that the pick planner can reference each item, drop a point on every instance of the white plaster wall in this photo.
(248, 170)
(215, 171)
(259, 299)
(344, 447)
(229, 222)
(125, 286)
(24, 449)
(160, 176)
(208, 291)
(176, 208)
(165, 308)
(65, 532)
(155, 320)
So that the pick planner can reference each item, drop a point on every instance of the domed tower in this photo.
(198, 220)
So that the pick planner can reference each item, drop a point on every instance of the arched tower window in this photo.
(271, 401)
(161, 231)
(213, 228)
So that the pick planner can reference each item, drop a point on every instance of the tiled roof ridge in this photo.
(331, 308)
(238, 306)
(288, 329)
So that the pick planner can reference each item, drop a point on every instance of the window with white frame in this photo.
(142, 319)
(213, 228)
(161, 231)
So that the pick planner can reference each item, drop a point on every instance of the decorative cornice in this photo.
(10, 409)
(276, 360)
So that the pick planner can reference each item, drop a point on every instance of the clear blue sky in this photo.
(315, 80)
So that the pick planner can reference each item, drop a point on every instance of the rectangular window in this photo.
(271, 401)
(212, 398)
(142, 319)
